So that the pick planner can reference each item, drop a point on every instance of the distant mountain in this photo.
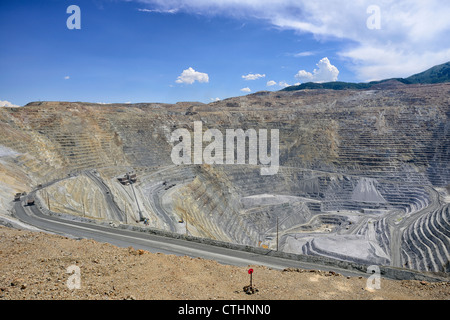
(436, 74)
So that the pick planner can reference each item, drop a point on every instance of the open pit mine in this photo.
(362, 175)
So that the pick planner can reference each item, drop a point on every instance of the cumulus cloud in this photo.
(66, 77)
(247, 89)
(8, 104)
(325, 72)
(283, 84)
(253, 76)
(189, 76)
(413, 34)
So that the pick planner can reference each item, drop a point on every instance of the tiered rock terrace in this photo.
(358, 169)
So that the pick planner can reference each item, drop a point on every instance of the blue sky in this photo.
(199, 50)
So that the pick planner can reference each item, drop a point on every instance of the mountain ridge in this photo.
(437, 74)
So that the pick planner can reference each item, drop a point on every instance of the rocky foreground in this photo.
(34, 265)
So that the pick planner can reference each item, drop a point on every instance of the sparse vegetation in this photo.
(437, 74)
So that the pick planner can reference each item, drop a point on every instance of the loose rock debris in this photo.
(34, 266)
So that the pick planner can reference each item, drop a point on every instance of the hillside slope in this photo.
(436, 74)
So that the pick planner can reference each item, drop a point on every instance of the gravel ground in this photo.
(34, 265)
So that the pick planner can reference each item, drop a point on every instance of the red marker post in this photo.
(250, 289)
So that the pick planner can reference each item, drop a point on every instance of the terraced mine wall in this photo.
(367, 167)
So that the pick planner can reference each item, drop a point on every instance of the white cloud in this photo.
(215, 99)
(304, 75)
(253, 76)
(171, 11)
(304, 54)
(283, 84)
(413, 34)
(189, 76)
(382, 63)
(8, 104)
(325, 72)
(66, 78)
(247, 89)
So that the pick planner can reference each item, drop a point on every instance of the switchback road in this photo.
(155, 243)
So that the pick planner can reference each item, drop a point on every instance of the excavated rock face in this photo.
(354, 165)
